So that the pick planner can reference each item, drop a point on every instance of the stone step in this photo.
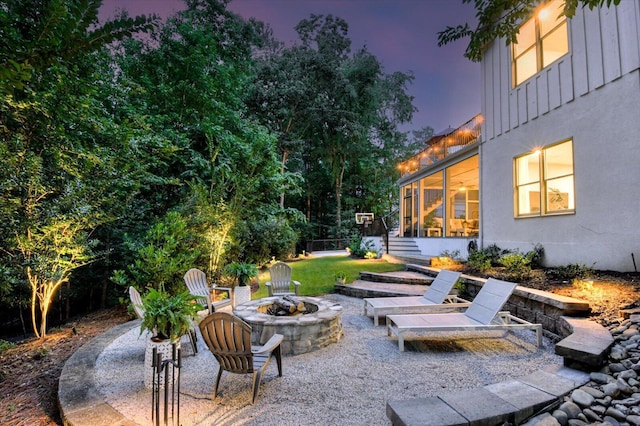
(363, 289)
(513, 401)
(399, 277)
(587, 347)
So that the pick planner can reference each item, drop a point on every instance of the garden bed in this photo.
(607, 292)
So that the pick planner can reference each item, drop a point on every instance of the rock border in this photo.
(79, 400)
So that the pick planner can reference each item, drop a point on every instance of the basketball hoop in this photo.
(364, 218)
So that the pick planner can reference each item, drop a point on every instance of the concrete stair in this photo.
(404, 250)
(403, 247)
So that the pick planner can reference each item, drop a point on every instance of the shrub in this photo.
(479, 261)
(518, 266)
(359, 248)
(453, 255)
(569, 272)
(371, 254)
(536, 255)
(6, 345)
(494, 253)
(161, 259)
(260, 240)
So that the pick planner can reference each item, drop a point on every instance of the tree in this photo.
(50, 254)
(59, 176)
(334, 112)
(40, 33)
(279, 98)
(357, 121)
(191, 84)
(502, 19)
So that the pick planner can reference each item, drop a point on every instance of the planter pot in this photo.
(242, 294)
(163, 347)
(341, 281)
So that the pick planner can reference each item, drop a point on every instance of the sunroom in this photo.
(440, 188)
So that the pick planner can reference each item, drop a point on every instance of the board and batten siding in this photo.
(604, 45)
(591, 96)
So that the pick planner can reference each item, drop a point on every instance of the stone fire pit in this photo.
(303, 332)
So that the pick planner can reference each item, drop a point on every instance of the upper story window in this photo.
(541, 40)
(544, 181)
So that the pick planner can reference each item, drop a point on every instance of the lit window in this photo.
(540, 41)
(544, 181)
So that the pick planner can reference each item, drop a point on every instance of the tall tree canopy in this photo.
(188, 90)
(58, 181)
(336, 115)
(129, 160)
(502, 18)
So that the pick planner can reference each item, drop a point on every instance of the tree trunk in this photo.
(24, 326)
(105, 283)
(339, 179)
(284, 161)
(34, 297)
(103, 294)
(67, 310)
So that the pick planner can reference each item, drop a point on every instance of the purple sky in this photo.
(402, 34)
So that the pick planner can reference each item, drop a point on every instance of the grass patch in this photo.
(316, 276)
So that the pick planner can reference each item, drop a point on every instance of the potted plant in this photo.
(340, 277)
(242, 274)
(168, 317)
(459, 287)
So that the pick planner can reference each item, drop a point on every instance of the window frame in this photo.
(537, 46)
(542, 182)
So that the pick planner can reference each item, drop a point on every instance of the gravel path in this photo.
(346, 383)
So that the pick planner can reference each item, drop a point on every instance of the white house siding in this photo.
(591, 95)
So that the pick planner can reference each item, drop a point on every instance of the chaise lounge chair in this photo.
(435, 299)
(483, 314)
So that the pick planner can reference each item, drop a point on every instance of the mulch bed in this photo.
(29, 372)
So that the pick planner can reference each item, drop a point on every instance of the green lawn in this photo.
(316, 276)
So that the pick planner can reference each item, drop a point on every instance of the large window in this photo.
(544, 181)
(445, 203)
(432, 213)
(540, 41)
(410, 210)
(462, 207)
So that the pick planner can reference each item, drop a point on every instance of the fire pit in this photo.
(287, 306)
(313, 324)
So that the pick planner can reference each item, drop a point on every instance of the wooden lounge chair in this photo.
(229, 339)
(196, 282)
(138, 308)
(435, 299)
(280, 281)
(483, 314)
